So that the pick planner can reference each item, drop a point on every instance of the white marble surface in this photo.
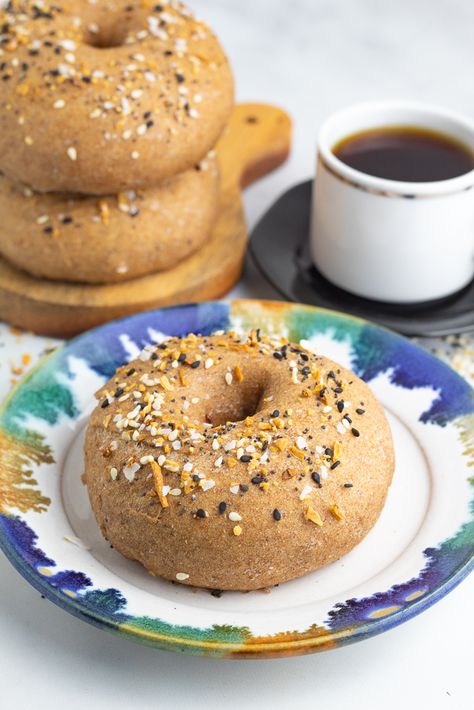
(311, 57)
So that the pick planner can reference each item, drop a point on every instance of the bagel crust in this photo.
(108, 239)
(102, 97)
(236, 463)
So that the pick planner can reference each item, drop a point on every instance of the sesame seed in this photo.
(182, 576)
(60, 103)
(72, 153)
(235, 517)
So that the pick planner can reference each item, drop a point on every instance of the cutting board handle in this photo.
(256, 141)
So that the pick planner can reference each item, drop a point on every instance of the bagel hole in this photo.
(244, 401)
(106, 37)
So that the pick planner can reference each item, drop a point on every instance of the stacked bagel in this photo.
(109, 114)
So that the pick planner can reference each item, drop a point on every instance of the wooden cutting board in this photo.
(256, 141)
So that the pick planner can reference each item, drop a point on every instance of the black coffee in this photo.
(405, 153)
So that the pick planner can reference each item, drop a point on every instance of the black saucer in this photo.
(279, 245)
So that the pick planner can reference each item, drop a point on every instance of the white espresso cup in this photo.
(393, 241)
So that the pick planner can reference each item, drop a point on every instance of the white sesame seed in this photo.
(141, 130)
(228, 378)
(146, 459)
(135, 155)
(305, 492)
(301, 443)
(235, 517)
(209, 363)
(182, 576)
(113, 473)
(72, 153)
(234, 489)
(60, 103)
(175, 492)
(42, 219)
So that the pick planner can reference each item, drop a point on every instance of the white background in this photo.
(311, 57)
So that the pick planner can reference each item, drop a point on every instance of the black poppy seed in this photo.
(328, 451)
(256, 480)
(86, 79)
(338, 390)
(154, 356)
(131, 372)
(275, 413)
(332, 374)
(66, 219)
(335, 465)
(200, 513)
(118, 392)
(347, 418)
(222, 507)
(360, 411)
(181, 357)
(340, 405)
(162, 346)
(245, 458)
(48, 230)
(305, 370)
(147, 114)
(180, 78)
(167, 53)
(316, 477)
(265, 446)
(195, 364)
(277, 355)
(276, 514)
(355, 432)
(150, 124)
(216, 593)
(323, 391)
(243, 487)
(348, 485)
(304, 357)
(105, 404)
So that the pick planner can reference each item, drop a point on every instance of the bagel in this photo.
(102, 97)
(236, 463)
(108, 239)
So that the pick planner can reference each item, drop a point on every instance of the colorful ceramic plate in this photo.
(422, 546)
(279, 245)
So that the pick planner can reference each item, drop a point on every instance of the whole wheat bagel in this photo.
(236, 463)
(100, 97)
(111, 238)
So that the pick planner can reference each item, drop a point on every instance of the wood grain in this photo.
(256, 141)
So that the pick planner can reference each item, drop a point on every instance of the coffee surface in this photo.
(405, 153)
